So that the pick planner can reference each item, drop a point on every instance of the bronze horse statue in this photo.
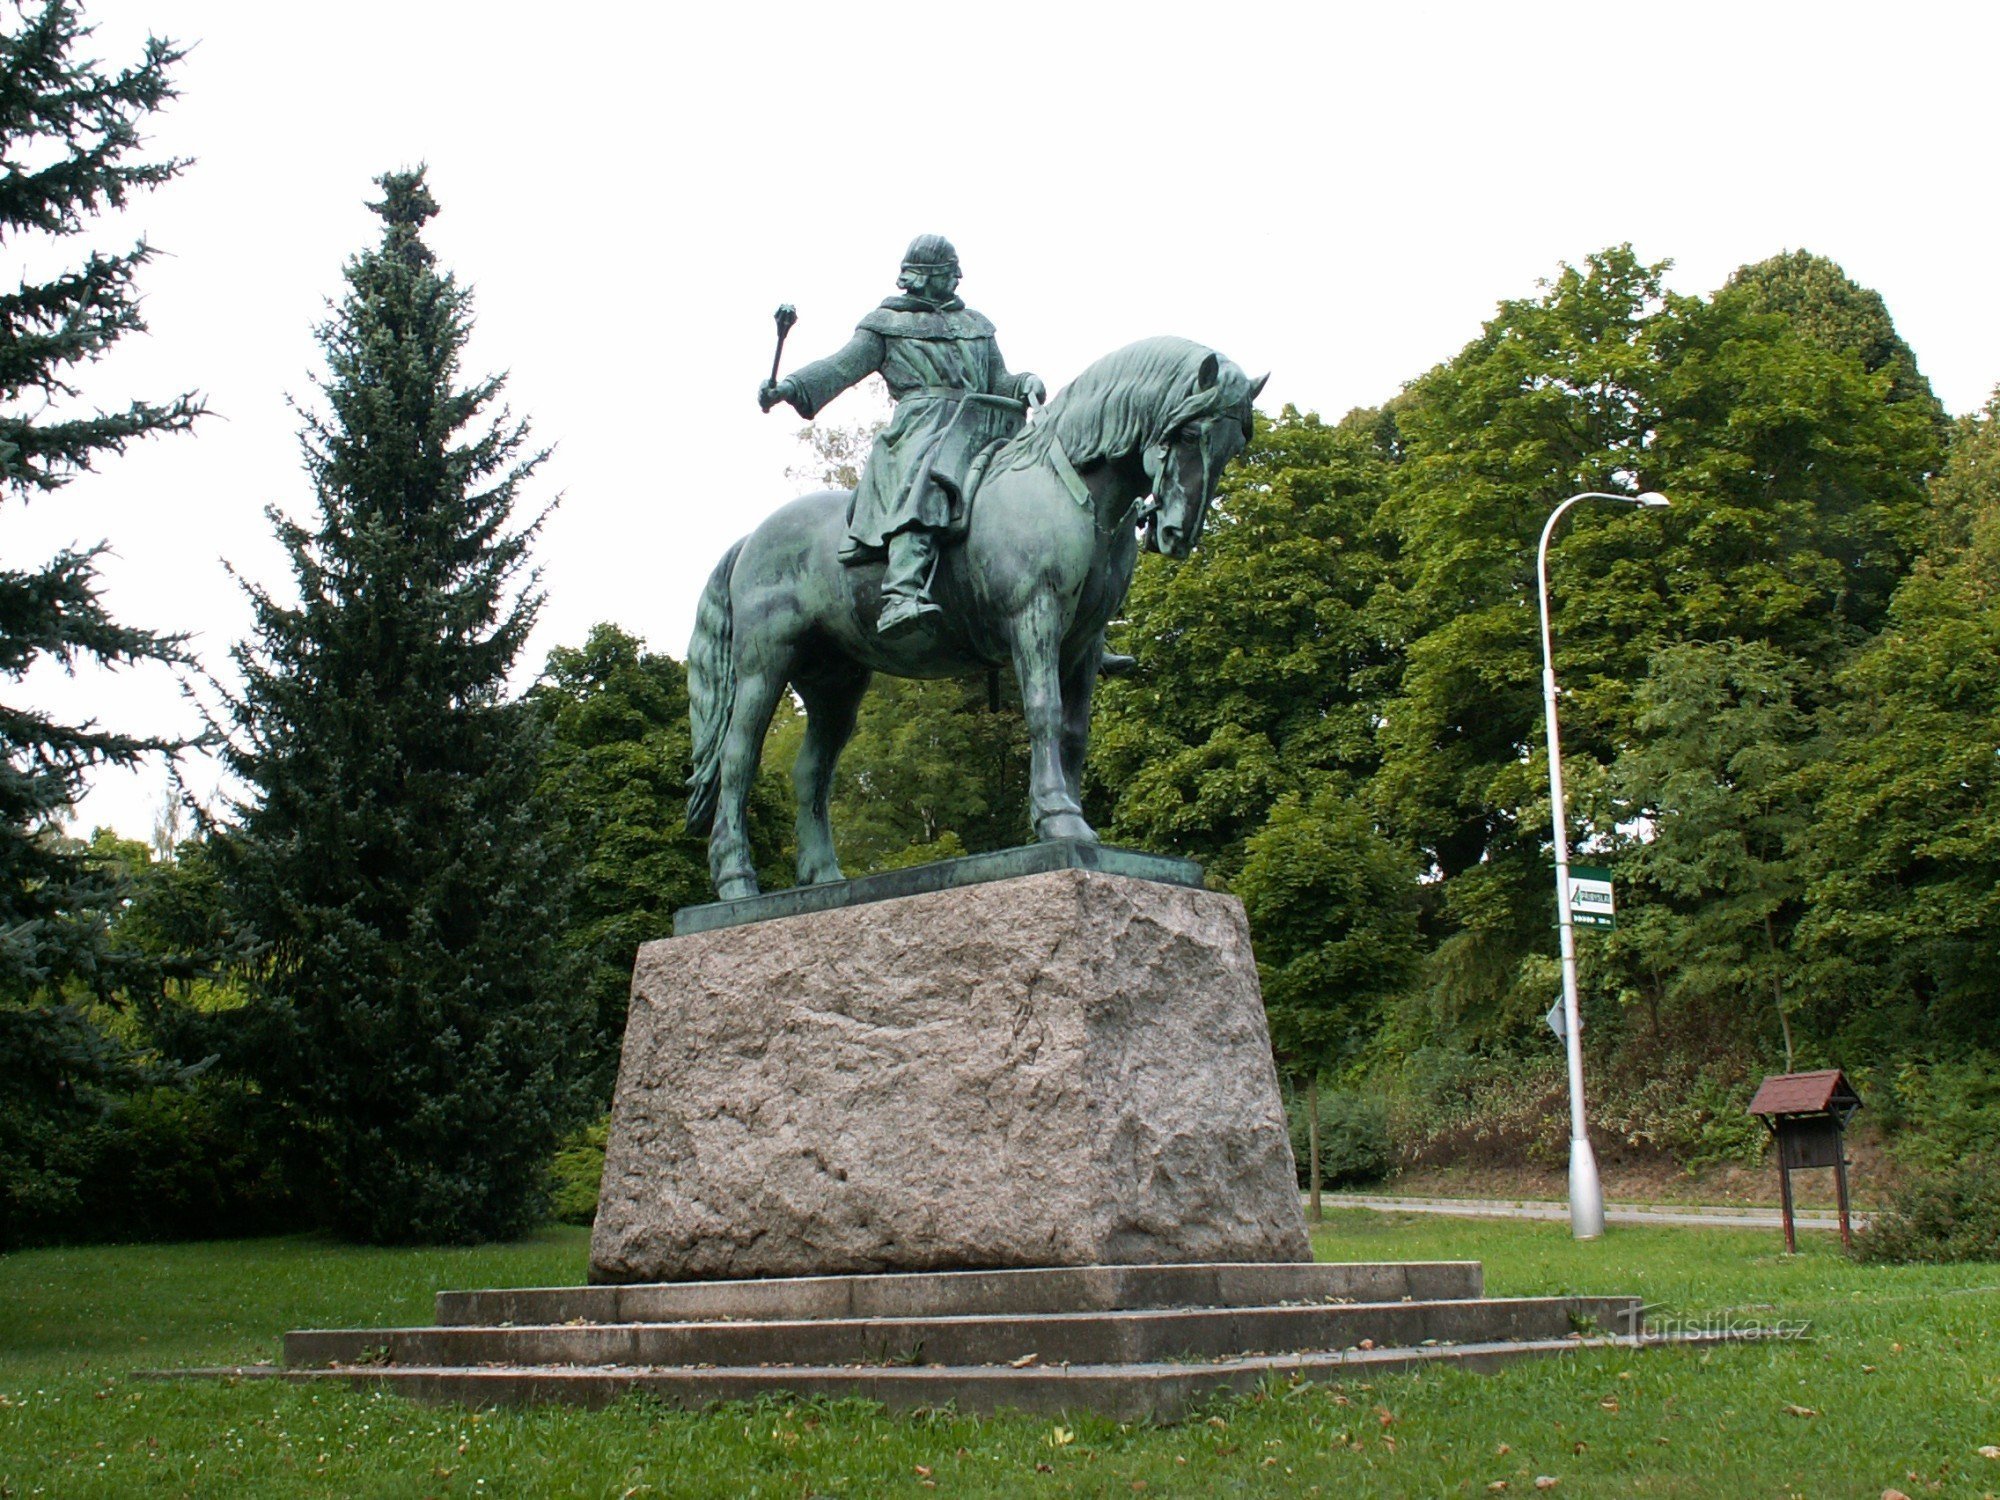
(1134, 446)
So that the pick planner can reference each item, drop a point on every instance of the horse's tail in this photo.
(711, 667)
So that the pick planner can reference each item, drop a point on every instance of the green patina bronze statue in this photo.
(955, 401)
(1020, 548)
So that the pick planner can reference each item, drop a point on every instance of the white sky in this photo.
(1337, 194)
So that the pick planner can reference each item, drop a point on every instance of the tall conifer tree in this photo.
(393, 861)
(68, 131)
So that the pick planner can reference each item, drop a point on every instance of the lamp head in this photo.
(1651, 499)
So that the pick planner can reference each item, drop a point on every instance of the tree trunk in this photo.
(1312, 1144)
(1778, 990)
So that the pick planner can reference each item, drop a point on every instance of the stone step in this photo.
(1104, 1337)
(1155, 1390)
(944, 1293)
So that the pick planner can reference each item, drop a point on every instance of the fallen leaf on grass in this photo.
(1894, 1494)
(1497, 1486)
(1546, 1481)
(1609, 1403)
(1385, 1416)
(1045, 1468)
(922, 1472)
(1990, 1451)
(1503, 1450)
(1061, 1437)
(1800, 1411)
(1023, 1362)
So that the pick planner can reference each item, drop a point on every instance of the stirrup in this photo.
(903, 616)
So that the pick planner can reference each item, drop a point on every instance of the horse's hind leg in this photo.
(758, 685)
(832, 701)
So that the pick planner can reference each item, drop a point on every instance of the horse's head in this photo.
(1196, 438)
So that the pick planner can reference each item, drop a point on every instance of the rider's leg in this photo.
(906, 583)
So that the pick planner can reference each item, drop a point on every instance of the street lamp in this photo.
(1586, 1196)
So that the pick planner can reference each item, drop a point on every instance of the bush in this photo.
(1354, 1144)
(577, 1172)
(1945, 1112)
(1456, 1109)
(1938, 1217)
(166, 1162)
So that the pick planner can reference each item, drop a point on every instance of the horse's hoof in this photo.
(736, 888)
(1059, 827)
(820, 875)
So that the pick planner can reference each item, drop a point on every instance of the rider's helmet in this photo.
(930, 252)
(927, 257)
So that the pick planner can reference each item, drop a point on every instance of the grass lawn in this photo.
(1898, 1387)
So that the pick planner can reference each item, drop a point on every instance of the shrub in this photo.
(1945, 1112)
(1938, 1217)
(577, 1172)
(169, 1161)
(1354, 1143)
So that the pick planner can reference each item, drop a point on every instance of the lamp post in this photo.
(1586, 1196)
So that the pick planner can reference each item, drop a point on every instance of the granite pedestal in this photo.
(1064, 1068)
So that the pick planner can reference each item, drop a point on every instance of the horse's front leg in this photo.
(1079, 688)
(1037, 643)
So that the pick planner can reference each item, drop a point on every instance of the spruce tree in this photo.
(399, 875)
(68, 133)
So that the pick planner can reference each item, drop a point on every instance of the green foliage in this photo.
(1797, 489)
(1903, 865)
(412, 1026)
(578, 1173)
(1261, 662)
(1333, 906)
(1714, 887)
(1938, 1218)
(1354, 1141)
(1826, 307)
(1945, 1110)
(932, 766)
(615, 766)
(68, 132)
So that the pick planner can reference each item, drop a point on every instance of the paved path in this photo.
(1615, 1213)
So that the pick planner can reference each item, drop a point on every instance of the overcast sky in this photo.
(1336, 194)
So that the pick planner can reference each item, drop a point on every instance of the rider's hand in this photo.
(1033, 391)
(771, 392)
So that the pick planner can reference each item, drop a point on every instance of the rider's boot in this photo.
(906, 598)
(1114, 664)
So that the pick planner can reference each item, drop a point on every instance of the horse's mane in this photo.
(1126, 398)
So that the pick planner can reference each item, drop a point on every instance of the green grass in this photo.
(1902, 1375)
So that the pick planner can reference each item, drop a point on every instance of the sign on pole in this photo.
(1589, 897)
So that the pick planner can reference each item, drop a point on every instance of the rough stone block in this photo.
(1063, 1069)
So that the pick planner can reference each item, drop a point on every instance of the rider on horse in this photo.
(954, 399)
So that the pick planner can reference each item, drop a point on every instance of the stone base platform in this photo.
(1135, 1343)
(1062, 1068)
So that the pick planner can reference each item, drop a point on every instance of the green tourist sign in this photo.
(1588, 896)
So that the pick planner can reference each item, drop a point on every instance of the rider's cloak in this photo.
(953, 396)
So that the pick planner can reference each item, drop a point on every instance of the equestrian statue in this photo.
(975, 539)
